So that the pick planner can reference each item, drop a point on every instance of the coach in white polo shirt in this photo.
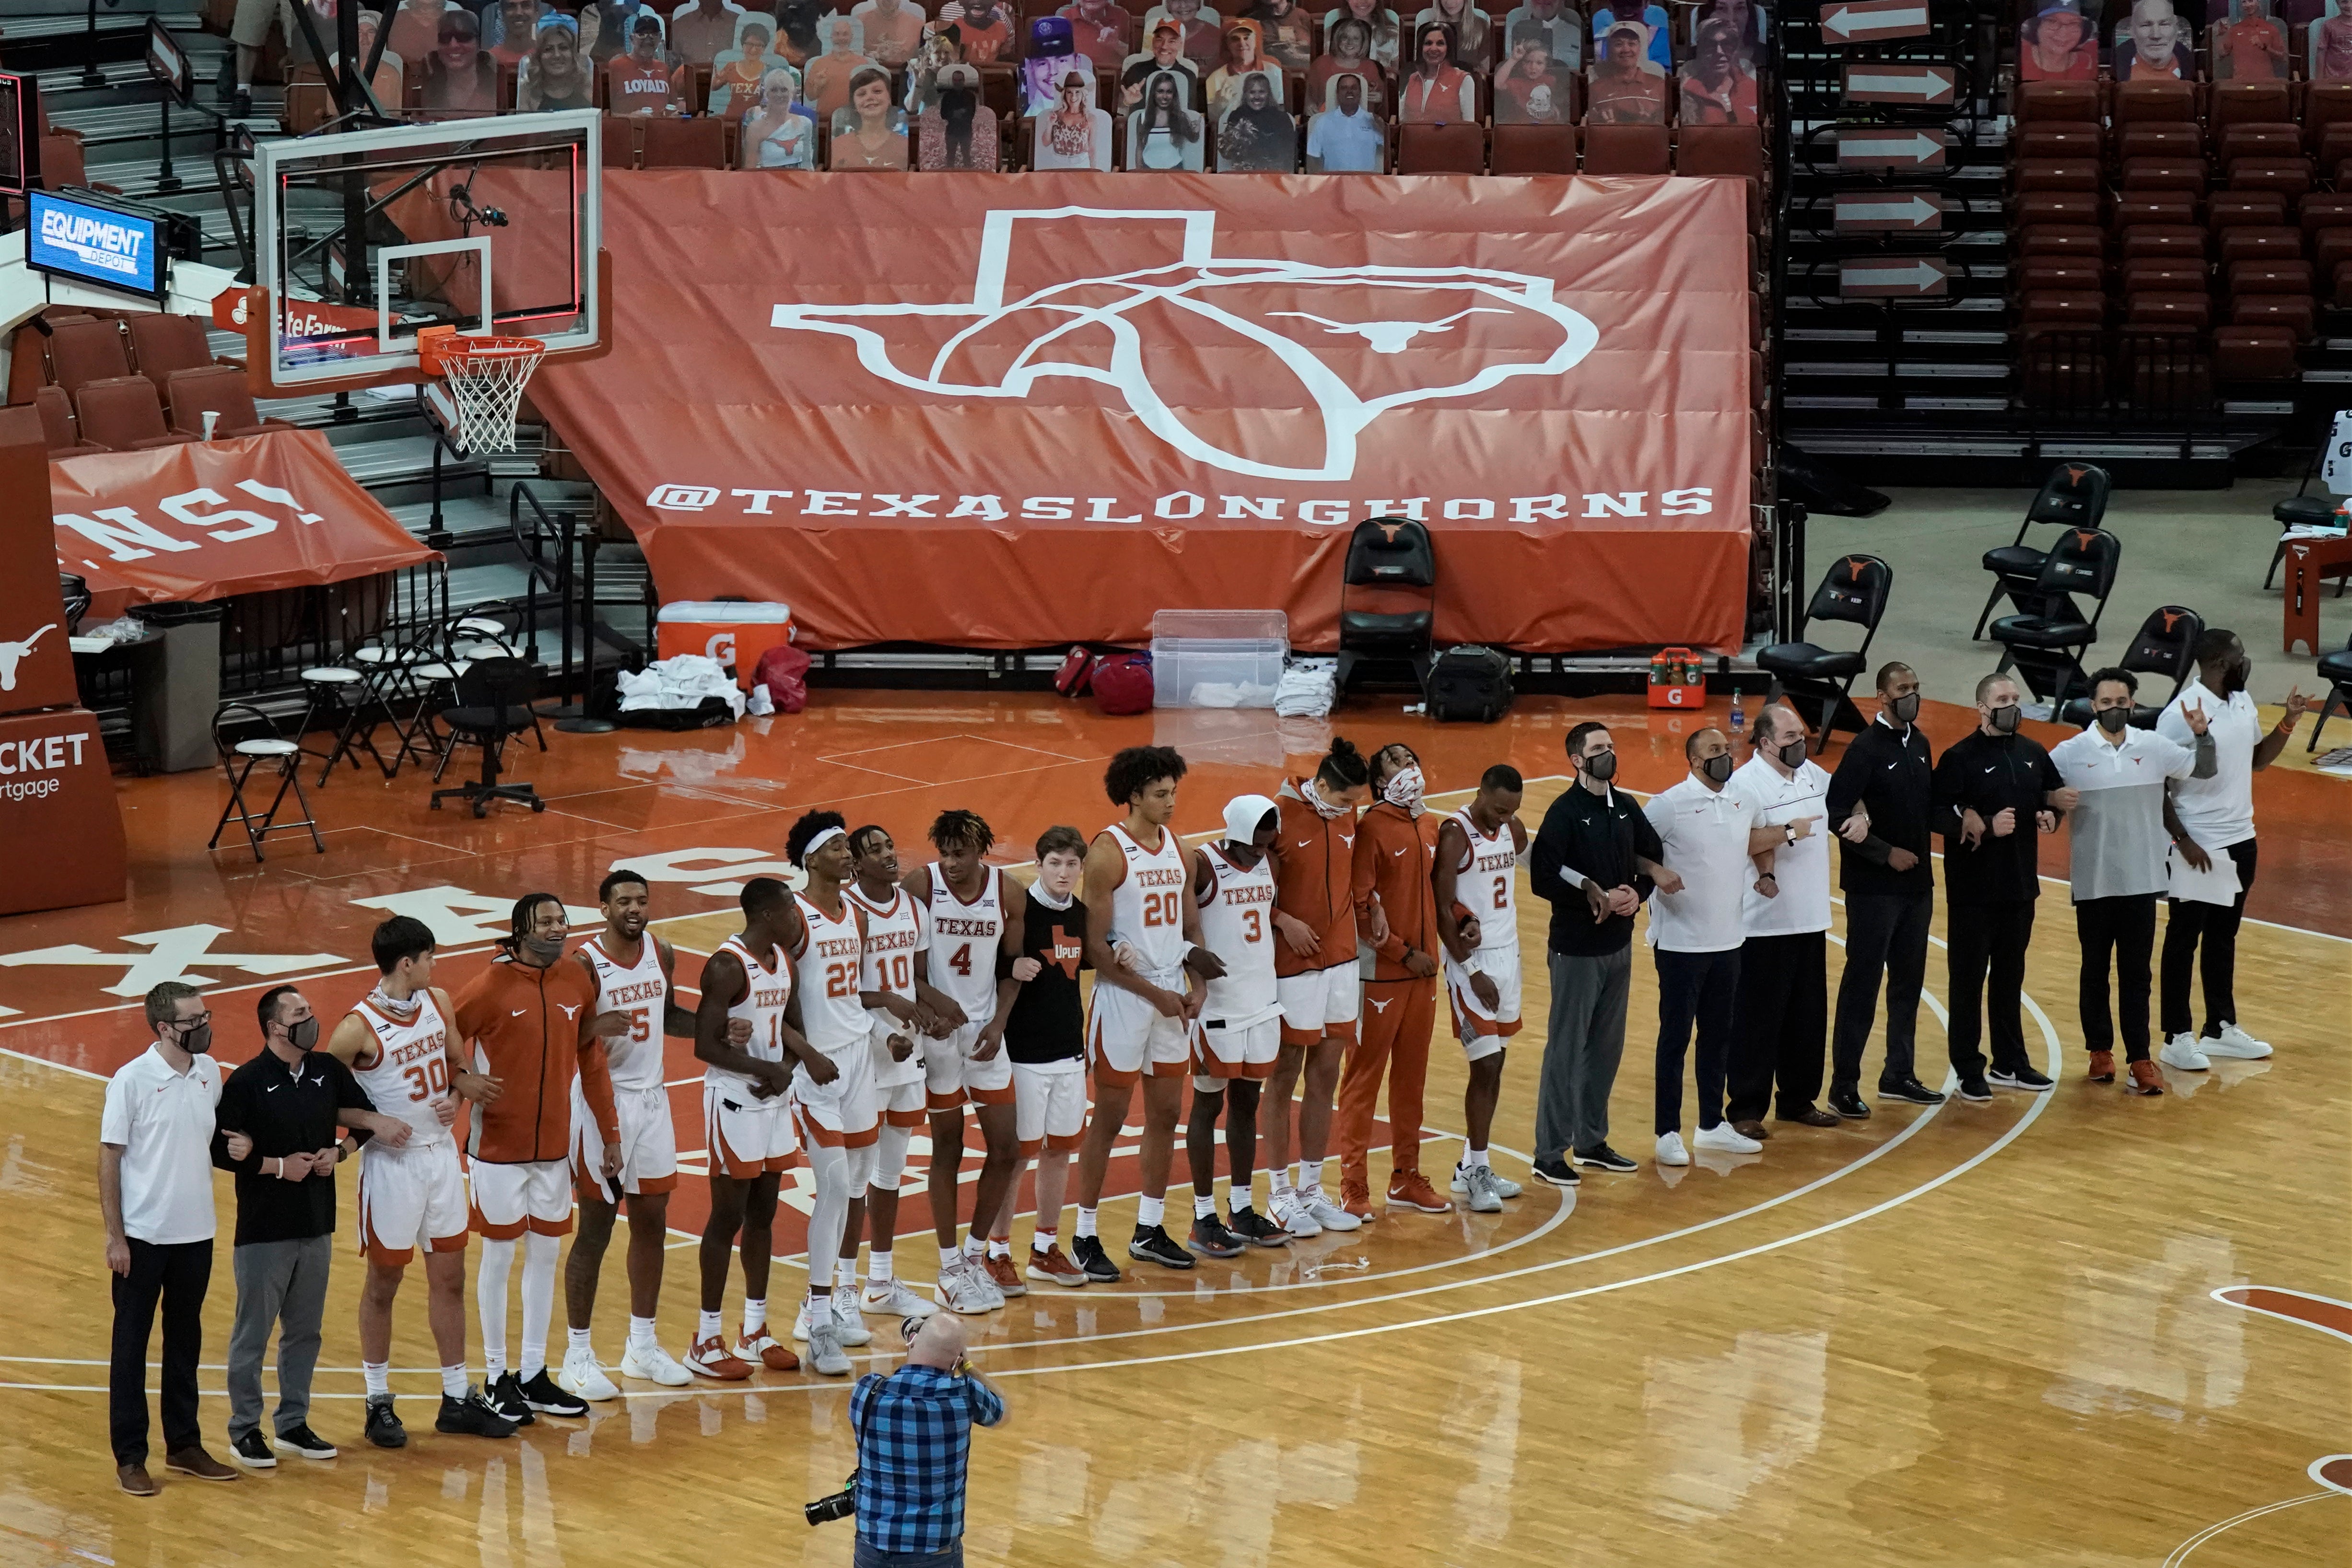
(155, 1189)
(1782, 1033)
(1709, 832)
(2212, 824)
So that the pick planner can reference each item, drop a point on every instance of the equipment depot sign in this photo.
(1053, 404)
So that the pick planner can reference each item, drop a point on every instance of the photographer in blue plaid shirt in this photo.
(914, 1434)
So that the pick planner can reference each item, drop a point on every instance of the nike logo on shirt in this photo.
(1396, 851)
(519, 1012)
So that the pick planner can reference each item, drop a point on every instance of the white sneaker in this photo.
(1504, 1186)
(965, 1290)
(826, 1353)
(1331, 1215)
(1722, 1140)
(1483, 1195)
(2182, 1054)
(891, 1299)
(1671, 1151)
(802, 1324)
(847, 1320)
(581, 1378)
(1293, 1217)
(2236, 1044)
(654, 1365)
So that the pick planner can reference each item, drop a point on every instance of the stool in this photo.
(239, 759)
(342, 693)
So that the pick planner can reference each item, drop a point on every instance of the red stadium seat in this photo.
(2165, 278)
(2166, 242)
(2055, 206)
(1533, 149)
(1627, 150)
(2062, 138)
(2163, 174)
(620, 133)
(218, 389)
(1720, 152)
(2254, 355)
(2235, 209)
(2191, 311)
(59, 431)
(2062, 240)
(2136, 101)
(2060, 272)
(124, 412)
(2250, 103)
(2043, 102)
(165, 344)
(86, 351)
(2291, 177)
(2295, 313)
(2053, 173)
(2260, 245)
(2135, 208)
(2269, 277)
(2323, 210)
(1443, 149)
(2265, 141)
(2168, 140)
(2064, 308)
(697, 143)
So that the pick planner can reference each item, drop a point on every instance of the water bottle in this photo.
(1739, 718)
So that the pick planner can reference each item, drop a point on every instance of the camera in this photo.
(842, 1504)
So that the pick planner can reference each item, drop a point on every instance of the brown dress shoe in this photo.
(1755, 1130)
(195, 1461)
(1812, 1116)
(134, 1479)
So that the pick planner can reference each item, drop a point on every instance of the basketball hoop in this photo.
(485, 378)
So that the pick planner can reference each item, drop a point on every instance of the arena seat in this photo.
(2168, 141)
(2066, 138)
(1533, 149)
(697, 144)
(2052, 174)
(125, 413)
(1627, 150)
(1720, 152)
(2136, 102)
(2288, 277)
(2295, 312)
(1442, 149)
(86, 351)
(2060, 272)
(164, 343)
(620, 139)
(217, 389)
(2164, 174)
(2236, 209)
(2133, 207)
(2043, 102)
(60, 432)
(2254, 355)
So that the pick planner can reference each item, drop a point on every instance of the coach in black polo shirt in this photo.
(1596, 858)
(277, 1131)
(1881, 798)
(1996, 791)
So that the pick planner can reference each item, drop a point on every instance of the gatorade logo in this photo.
(720, 648)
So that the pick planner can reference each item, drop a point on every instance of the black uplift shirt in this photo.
(1985, 774)
(1598, 836)
(284, 1111)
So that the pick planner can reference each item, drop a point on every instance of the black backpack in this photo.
(1470, 683)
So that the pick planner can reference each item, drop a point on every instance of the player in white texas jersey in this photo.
(1142, 938)
(747, 1034)
(1474, 878)
(635, 974)
(964, 1060)
(1240, 1024)
(400, 1044)
(898, 1006)
(832, 1098)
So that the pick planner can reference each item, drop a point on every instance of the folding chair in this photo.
(2166, 646)
(2047, 647)
(2073, 495)
(239, 759)
(390, 670)
(1855, 590)
(2336, 669)
(494, 701)
(1388, 596)
(341, 694)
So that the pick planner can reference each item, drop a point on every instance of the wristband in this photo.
(1766, 876)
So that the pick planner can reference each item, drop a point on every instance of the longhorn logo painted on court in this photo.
(1102, 329)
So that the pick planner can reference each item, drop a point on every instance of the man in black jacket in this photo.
(1596, 857)
(1882, 797)
(1994, 789)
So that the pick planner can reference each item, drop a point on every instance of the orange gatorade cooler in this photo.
(1677, 679)
(729, 631)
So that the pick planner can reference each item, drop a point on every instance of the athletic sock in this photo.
(490, 1304)
(975, 1246)
(379, 1378)
(845, 1273)
(539, 1256)
(1149, 1211)
(1290, 1177)
(641, 1332)
(1204, 1206)
(1475, 1157)
(453, 1382)
(755, 1317)
(999, 1248)
(575, 1339)
(951, 1256)
(1086, 1223)
(706, 1327)
(878, 1269)
(1042, 1242)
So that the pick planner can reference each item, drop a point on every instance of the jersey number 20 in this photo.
(1162, 909)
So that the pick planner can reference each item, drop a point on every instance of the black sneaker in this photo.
(2023, 1077)
(241, 104)
(505, 1399)
(1850, 1104)
(1910, 1090)
(1153, 1245)
(543, 1395)
(1604, 1158)
(1973, 1089)
(1087, 1253)
(253, 1451)
(1254, 1227)
(1557, 1172)
(383, 1428)
(1210, 1239)
(303, 1441)
(474, 1415)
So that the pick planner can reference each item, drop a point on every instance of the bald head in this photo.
(1707, 743)
(939, 1343)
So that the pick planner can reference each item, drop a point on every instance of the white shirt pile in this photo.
(1307, 689)
(681, 682)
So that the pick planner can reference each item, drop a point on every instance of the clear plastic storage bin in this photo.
(1217, 659)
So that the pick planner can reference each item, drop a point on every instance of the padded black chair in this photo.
(2047, 648)
(494, 701)
(2073, 495)
(2166, 646)
(1388, 598)
(1855, 590)
(2336, 669)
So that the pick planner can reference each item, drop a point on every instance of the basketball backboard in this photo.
(360, 239)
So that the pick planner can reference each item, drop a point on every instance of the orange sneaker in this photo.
(2103, 1066)
(709, 1358)
(1356, 1198)
(1051, 1268)
(2145, 1079)
(1411, 1189)
(764, 1348)
(1005, 1277)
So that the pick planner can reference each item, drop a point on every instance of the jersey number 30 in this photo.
(428, 1078)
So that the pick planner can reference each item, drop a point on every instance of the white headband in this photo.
(820, 841)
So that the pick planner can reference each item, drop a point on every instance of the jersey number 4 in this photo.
(962, 961)
(428, 1078)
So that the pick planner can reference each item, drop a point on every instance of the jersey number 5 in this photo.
(428, 1078)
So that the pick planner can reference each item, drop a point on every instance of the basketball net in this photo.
(485, 376)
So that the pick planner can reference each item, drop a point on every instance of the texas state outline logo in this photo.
(1419, 301)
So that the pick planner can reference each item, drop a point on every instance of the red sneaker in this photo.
(1411, 1189)
(709, 1358)
(2103, 1066)
(1005, 1277)
(2145, 1079)
(1356, 1198)
(766, 1350)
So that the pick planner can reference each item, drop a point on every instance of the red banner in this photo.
(1008, 410)
(211, 519)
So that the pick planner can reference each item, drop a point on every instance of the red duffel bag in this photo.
(783, 671)
(1122, 683)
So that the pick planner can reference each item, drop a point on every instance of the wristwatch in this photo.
(1788, 830)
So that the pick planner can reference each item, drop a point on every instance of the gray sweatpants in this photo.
(281, 1285)
(1586, 1039)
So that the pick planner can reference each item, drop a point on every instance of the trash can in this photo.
(175, 692)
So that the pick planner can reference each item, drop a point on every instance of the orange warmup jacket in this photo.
(1313, 863)
(523, 1028)
(1393, 856)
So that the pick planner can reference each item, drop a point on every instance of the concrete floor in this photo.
(2203, 549)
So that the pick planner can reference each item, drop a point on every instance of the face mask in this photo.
(1602, 767)
(401, 1011)
(1404, 789)
(2235, 681)
(304, 1035)
(2115, 720)
(543, 950)
(1904, 710)
(198, 1040)
(1717, 768)
(1314, 798)
(2005, 717)
(1792, 756)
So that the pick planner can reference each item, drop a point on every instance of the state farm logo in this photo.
(1117, 330)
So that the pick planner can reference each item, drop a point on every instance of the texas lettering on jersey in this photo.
(621, 998)
(984, 928)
